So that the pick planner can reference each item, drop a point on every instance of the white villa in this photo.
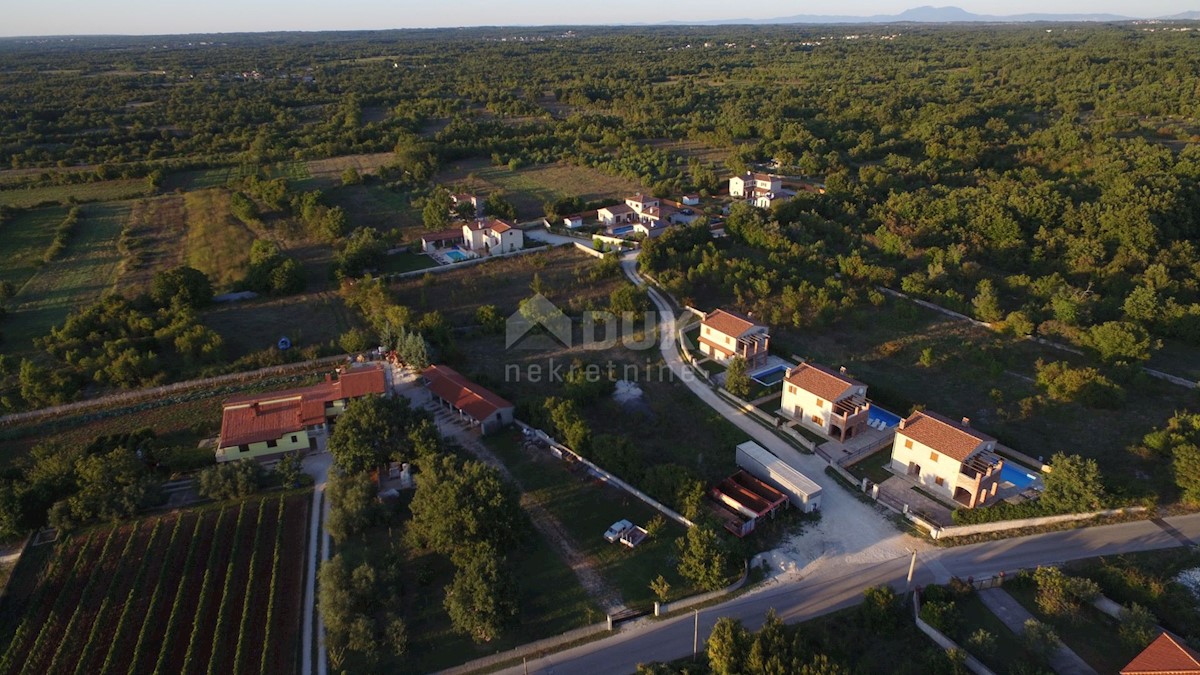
(725, 334)
(761, 189)
(492, 235)
(947, 458)
(826, 400)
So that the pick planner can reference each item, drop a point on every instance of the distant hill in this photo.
(931, 14)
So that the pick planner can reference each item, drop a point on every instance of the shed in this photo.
(801, 490)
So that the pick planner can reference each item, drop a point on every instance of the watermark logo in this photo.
(537, 325)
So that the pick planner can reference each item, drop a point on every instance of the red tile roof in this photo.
(729, 323)
(952, 439)
(618, 209)
(1167, 655)
(824, 382)
(254, 418)
(447, 384)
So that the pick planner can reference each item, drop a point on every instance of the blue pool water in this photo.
(624, 229)
(770, 376)
(877, 414)
(1017, 475)
(455, 255)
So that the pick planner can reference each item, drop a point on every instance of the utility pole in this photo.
(696, 635)
(912, 566)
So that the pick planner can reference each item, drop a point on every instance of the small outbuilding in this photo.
(802, 491)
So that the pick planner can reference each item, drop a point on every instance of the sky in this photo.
(158, 17)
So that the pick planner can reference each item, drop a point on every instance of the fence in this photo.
(533, 649)
(862, 453)
(546, 646)
(981, 528)
(606, 476)
(130, 397)
(973, 664)
(458, 265)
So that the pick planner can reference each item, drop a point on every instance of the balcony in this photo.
(846, 409)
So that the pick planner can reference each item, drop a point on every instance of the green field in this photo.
(26, 238)
(85, 272)
(103, 191)
(530, 188)
(217, 243)
(373, 205)
(252, 326)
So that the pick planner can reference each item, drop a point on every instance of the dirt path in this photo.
(595, 585)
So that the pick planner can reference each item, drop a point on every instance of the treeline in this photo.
(62, 235)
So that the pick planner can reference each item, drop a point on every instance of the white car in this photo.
(618, 528)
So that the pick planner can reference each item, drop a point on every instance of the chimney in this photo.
(329, 377)
(903, 422)
(966, 421)
(842, 370)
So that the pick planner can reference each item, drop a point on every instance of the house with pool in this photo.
(266, 426)
(725, 334)
(826, 400)
(947, 458)
(492, 235)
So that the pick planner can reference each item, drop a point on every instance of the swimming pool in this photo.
(455, 255)
(1017, 475)
(770, 376)
(876, 415)
(624, 229)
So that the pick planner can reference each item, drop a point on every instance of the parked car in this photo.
(618, 528)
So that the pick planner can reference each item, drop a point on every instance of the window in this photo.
(933, 457)
(939, 480)
(816, 419)
(707, 330)
(908, 443)
(271, 443)
(820, 402)
(791, 388)
(728, 340)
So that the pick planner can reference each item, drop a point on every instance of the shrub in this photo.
(231, 480)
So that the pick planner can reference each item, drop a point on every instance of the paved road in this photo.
(316, 465)
(835, 587)
(820, 589)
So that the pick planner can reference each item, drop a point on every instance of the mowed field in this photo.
(249, 327)
(156, 227)
(216, 589)
(530, 188)
(217, 243)
(376, 206)
(82, 274)
(101, 191)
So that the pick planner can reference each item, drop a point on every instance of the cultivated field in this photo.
(530, 188)
(328, 172)
(689, 149)
(82, 274)
(217, 243)
(102, 191)
(212, 590)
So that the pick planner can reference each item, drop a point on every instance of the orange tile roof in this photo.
(447, 384)
(952, 439)
(728, 323)
(265, 416)
(1165, 656)
(821, 381)
(499, 226)
(618, 209)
